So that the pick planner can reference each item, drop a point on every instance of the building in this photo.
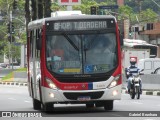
(120, 2)
(151, 33)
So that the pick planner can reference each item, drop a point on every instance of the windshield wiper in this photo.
(70, 41)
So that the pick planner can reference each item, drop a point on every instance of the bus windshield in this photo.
(85, 53)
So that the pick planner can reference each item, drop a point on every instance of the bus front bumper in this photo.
(83, 96)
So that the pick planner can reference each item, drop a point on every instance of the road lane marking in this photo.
(27, 101)
(11, 98)
(137, 103)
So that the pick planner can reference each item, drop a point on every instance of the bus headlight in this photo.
(114, 81)
(51, 84)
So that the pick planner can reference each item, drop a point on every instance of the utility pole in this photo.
(10, 34)
(10, 21)
(37, 9)
(139, 2)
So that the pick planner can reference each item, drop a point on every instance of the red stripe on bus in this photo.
(73, 86)
(74, 0)
(64, 1)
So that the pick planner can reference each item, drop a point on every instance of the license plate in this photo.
(84, 98)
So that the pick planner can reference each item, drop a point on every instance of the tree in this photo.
(18, 20)
(148, 15)
(47, 8)
(145, 4)
(85, 6)
(125, 12)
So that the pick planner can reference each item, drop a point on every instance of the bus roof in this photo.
(136, 42)
(39, 23)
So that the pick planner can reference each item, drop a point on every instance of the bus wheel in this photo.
(108, 105)
(36, 104)
(90, 105)
(48, 107)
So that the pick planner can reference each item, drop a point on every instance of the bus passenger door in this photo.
(34, 66)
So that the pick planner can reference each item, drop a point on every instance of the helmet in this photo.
(133, 61)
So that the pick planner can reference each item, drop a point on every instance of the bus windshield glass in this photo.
(85, 52)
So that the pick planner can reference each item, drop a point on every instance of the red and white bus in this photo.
(74, 59)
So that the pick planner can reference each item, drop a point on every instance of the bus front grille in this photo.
(76, 95)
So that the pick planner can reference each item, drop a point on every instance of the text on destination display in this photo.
(85, 25)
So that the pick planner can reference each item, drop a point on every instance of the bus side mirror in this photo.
(39, 42)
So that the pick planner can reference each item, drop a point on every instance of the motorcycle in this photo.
(135, 87)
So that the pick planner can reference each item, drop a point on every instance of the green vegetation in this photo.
(10, 76)
(137, 11)
(21, 70)
(19, 36)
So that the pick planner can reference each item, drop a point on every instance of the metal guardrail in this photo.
(149, 82)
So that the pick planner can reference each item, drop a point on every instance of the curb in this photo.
(13, 83)
(154, 93)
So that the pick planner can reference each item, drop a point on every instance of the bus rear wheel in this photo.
(36, 104)
(108, 105)
(48, 107)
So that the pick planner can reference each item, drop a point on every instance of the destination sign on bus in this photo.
(83, 25)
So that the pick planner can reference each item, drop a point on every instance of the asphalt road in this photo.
(16, 98)
(5, 71)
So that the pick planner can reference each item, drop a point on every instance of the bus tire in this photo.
(36, 104)
(89, 105)
(108, 105)
(48, 107)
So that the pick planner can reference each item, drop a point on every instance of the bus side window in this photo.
(38, 39)
(31, 43)
(38, 43)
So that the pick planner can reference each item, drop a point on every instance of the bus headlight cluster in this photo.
(51, 95)
(114, 81)
(115, 92)
(51, 84)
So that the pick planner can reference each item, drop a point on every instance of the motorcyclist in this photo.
(131, 70)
